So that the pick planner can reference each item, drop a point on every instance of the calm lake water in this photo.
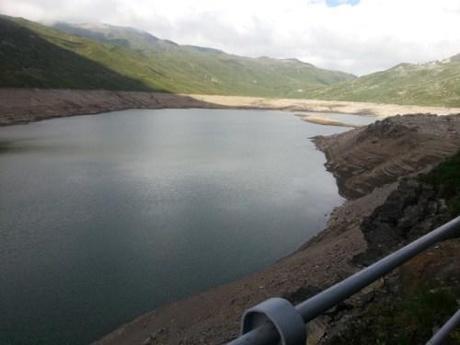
(105, 217)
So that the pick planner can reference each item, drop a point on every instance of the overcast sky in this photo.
(358, 36)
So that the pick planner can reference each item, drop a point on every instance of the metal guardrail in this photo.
(444, 331)
(277, 321)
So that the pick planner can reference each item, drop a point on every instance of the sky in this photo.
(357, 36)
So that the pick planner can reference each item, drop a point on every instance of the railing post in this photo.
(282, 315)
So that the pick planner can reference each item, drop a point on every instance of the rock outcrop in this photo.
(416, 298)
(409, 212)
(369, 157)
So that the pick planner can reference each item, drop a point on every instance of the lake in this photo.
(105, 217)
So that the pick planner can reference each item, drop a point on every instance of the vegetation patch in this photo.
(407, 319)
(446, 179)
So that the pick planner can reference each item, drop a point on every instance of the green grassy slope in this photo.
(154, 64)
(434, 83)
(29, 60)
(213, 71)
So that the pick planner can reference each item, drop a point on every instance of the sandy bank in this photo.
(322, 119)
(381, 110)
(25, 105)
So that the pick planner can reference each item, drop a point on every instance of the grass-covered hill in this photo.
(30, 59)
(108, 57)
(433, 83)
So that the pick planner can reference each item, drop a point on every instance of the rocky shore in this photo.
(372, 156)
(26, 105)
(370, 160)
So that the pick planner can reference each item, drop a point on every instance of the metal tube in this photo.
(344, 289)
(444, 331)
(326, 299)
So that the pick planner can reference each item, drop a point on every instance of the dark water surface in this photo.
(105, 217)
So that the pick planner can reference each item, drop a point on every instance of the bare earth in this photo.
(368, 157)
(25, 105)
(323, 119)
(380, 110)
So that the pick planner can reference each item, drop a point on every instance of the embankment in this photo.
(335, 253)
(372, 156)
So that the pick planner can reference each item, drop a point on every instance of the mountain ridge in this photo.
(155, 64)
(431, 83)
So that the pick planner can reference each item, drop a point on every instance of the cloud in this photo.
(358, 37)
(341, 2)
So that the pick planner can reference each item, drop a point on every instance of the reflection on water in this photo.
(105, 217)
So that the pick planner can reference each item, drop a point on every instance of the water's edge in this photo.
(192, 303)
(56, 126)
(28, 105)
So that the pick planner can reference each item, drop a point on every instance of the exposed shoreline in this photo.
(322, 119)
(27, 105)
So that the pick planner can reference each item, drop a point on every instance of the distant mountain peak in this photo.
(119, 35)
(455, 58)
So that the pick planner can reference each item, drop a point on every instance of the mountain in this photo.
(117, 35)
(30, 59)
(52, 57)
(432, 83)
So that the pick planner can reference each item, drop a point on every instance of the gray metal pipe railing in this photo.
(444, 331)
(267, 334)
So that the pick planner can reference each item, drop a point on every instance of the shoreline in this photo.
(322, 119)
(27, 105)
(317, 264)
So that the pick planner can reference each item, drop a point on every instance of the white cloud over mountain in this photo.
(370, 36)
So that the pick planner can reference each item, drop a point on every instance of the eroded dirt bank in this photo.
(369, 157)
(25, 105)
(338, 251)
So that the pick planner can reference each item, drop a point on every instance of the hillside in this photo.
(128, 59)
(433, 83)
(29, 59)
